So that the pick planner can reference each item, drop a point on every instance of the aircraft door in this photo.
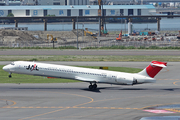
(109, 77)
(112, 78)
(19, 66)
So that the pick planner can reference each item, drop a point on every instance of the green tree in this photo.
(156, 5)
(10, 15)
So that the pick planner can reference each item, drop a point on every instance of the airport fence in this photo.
(95, 44)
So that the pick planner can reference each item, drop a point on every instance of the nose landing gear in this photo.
(10, 75)
(93, 87)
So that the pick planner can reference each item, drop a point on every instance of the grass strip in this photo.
(89, 58)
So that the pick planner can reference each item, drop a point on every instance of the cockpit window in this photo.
(12, 63)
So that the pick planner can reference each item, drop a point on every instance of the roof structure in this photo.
(51, 7)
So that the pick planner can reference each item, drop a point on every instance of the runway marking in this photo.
(74, 108)
(62, 108)
(174, 110)
(78, 106)
(14, 103)
(42, 114)
(81, 96)
(168, 79)
(167, 70)
(159, 104)
(175, 83)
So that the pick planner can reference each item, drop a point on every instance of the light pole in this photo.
(77, 32)
(82, 32)
(125, 26)
(121, 21)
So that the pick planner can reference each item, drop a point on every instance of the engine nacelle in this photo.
(128, 80)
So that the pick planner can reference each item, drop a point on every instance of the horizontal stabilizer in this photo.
(159, 64)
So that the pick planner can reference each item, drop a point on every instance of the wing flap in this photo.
(85, 79)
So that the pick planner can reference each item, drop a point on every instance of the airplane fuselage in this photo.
(77, 73)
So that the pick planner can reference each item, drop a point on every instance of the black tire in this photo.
(94, 86)
(90, 87)
(10, 76)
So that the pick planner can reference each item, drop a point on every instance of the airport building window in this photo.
(130, 11)
(61, 12)
(80, 12)
(121, 12)
(27, 12)
(85, 2)
(9, 11)
(139, 11)
(104, 12)
(68, 12)
(112, 12)
(45, 12)
(87, 12)
(56, 3)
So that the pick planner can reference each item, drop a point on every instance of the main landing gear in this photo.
(92, 87)
(10, 75)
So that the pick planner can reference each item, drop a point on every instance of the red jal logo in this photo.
(32, 67)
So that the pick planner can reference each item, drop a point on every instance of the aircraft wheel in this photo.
(10, 76)
(90, 87)
(94, 86)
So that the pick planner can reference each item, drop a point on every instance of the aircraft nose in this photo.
(5, 68)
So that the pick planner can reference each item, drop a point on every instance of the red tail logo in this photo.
(155, 67)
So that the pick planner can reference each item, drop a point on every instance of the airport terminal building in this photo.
(77, 10)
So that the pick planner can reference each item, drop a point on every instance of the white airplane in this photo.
(92, 76)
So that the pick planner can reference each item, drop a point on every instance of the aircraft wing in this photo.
(85, 79)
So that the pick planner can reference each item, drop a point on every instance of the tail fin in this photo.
(153, 69)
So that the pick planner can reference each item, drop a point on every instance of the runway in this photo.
(73, 101)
